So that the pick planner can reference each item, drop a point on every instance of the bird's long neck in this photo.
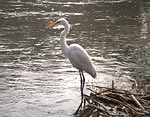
(63, 42)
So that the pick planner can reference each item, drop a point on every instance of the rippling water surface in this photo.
(35, 78)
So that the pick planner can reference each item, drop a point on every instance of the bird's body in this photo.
(78, 57)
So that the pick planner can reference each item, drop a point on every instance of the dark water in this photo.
(35, 78)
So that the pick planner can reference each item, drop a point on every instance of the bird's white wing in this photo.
(80, 59)
(78, 56)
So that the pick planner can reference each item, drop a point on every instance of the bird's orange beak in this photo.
(50, 25)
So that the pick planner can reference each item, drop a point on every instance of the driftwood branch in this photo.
(110, 102)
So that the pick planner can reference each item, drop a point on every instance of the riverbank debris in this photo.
(112, 102)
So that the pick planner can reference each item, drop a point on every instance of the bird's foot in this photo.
(81, 106)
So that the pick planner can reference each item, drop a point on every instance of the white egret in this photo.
(78, 57)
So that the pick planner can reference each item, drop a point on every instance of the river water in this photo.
(35, 78)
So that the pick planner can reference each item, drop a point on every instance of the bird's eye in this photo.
(58, 22)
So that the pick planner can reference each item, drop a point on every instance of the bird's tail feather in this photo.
(93, 74)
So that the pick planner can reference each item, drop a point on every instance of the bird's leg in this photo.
(83, 82)
(81, 86)
(83, 79)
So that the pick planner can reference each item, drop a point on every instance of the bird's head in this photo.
(61, 21)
